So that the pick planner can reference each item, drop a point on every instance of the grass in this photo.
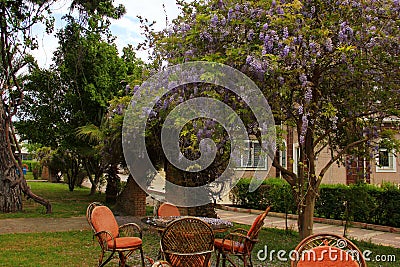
(64, 203)
(29, 176)
(77, 248)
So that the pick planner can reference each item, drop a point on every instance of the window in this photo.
(296, 158)
(282, 156)
(386, 161)
(255, 158)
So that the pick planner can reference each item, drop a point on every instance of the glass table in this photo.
(160, 223)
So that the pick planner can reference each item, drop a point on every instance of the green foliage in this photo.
(73, 95)
(329, 69)
(274, 191)
(359, 202)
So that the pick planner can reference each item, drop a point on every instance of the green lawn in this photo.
(65, 203)
(77, 248)
(29, 176)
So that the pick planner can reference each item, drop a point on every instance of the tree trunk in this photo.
(12, 181)
(306, 215)
(93, 169)
(113, 182)
(94, 182)
(176, 176)
(10, 191)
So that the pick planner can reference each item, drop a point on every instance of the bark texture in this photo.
(12, 181)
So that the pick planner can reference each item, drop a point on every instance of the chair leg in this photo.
(101, 258)
(108, 259)
(218, 254)
(122, 259)
(223, 260)
(142, 256)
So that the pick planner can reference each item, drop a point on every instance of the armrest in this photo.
(239, 240)
(130, 229)
(240, 230)
(103, 237)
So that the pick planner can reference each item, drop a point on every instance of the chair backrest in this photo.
(101, 218)
(327, 249)
(167, 210)
(188, 242)
(257, 224)
(322, 256)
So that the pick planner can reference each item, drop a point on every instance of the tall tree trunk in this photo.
(113, 182)
(10, 191)
(306, 215)
(12, 180)
(93, 169)
(176, 176)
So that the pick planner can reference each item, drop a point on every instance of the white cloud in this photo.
(127, 30)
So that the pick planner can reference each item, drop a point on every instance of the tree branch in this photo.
(335, 158)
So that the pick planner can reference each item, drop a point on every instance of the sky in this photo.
(127, 29)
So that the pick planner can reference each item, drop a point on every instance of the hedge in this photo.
(360, 202)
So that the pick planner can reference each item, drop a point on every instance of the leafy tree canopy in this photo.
(329, 69)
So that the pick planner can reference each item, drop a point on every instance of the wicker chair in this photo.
(187, 242)
(124, 239)
(240, 242)
(327, 250)
(168, 210)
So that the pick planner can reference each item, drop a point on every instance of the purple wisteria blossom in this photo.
(304, 127)
(329, 45)
(303, 79)
(285, 33)
(285, 51)
(308, 95)
(300, 110)
(334, 121)
(230, 13)
(250, 35)
(214, 21)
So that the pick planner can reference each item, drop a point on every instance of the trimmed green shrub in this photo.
(360, 202)
(273, 191)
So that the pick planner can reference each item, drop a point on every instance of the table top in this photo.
(162, 222)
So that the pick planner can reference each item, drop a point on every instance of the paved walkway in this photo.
(31, 225)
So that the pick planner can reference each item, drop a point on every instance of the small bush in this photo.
(359, 202)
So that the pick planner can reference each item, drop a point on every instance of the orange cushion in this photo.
(326, 256)
(125, 242)
(103, 220)
(253, 226)
(227, 245)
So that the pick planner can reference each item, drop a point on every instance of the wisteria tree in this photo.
(329, 69)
